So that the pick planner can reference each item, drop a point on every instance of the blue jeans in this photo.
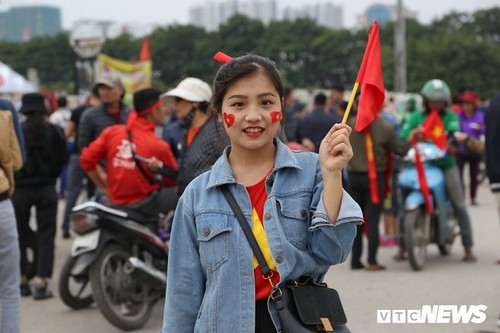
(74, 184)
(10, 309)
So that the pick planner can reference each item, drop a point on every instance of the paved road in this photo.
(444, 281)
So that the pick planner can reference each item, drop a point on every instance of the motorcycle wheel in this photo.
(416, 237)
(110, 284)
(445, 249)
(74, 289)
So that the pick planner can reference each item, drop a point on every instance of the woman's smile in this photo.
(253, 132)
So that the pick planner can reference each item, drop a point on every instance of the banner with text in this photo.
(135, 75)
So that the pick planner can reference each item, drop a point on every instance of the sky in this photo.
(164, 12)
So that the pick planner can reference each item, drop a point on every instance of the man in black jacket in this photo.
(492, 120)
(112, 111)
(316, 124)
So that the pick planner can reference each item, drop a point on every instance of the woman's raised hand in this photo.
(335, 149)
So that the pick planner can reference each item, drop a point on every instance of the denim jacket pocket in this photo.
(213, 238)
(295, 217)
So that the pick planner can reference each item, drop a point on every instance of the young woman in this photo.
(196, 140)
(472, 124)
(36, 186)
(303, 220)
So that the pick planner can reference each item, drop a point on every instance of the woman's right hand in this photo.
(335, 149)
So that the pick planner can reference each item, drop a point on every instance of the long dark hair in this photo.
(241, 67)
(36, 134)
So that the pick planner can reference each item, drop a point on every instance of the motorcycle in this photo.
(117, 262)
(419, 227)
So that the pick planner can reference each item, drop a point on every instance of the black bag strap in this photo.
(264, 267)
(137, 162)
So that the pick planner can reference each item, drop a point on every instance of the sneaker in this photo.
(400, 256)
(384, 241)
(357, 265)
(375, 267)
(25, 289)
(469, 255)
(42, 293)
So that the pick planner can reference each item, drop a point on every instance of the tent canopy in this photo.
(12, 82)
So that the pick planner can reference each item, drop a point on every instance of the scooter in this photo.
(419, 227)
(118, 260)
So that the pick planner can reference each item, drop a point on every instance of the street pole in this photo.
(400, 49)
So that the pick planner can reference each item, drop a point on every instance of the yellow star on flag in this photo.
(437, 132)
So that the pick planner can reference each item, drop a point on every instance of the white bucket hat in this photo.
(191, 89)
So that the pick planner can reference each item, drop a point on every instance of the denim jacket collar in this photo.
(223, 174)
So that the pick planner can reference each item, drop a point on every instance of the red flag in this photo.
(422, 180)
(371, 80)
(433, 129)
(145, 53)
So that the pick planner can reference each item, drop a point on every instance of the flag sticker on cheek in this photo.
(229, 119)
(275, 117)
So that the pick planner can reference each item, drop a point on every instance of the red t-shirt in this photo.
(258, 198)
(126, 182)
(191, 133)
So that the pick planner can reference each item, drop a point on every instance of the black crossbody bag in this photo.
(303, 306)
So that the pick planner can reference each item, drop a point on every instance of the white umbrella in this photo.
(12, 82)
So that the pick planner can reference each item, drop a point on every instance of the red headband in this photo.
(150, 109)
(222, 57)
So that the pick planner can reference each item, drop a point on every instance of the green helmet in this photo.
(412, 100)
(436, 91)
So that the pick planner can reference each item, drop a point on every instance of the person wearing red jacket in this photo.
(138, 162)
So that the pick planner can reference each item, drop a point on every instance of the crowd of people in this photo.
(154, 156)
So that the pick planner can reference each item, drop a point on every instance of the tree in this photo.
(461, 48)
(240, 35)
(172, 49)
(52, 57)
(290, 44)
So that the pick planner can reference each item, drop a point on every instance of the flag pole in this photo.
(351, 101)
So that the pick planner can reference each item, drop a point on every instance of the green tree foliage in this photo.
(123, 47)
(172, 50)
(290, 44)
(461, 48)
(51, 56)
(240, 35)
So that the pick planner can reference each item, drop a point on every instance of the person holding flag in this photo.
(373, 141)
(368, 181)
(439, 124)
(302, 219)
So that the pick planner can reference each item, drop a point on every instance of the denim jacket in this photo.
(210, 282)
